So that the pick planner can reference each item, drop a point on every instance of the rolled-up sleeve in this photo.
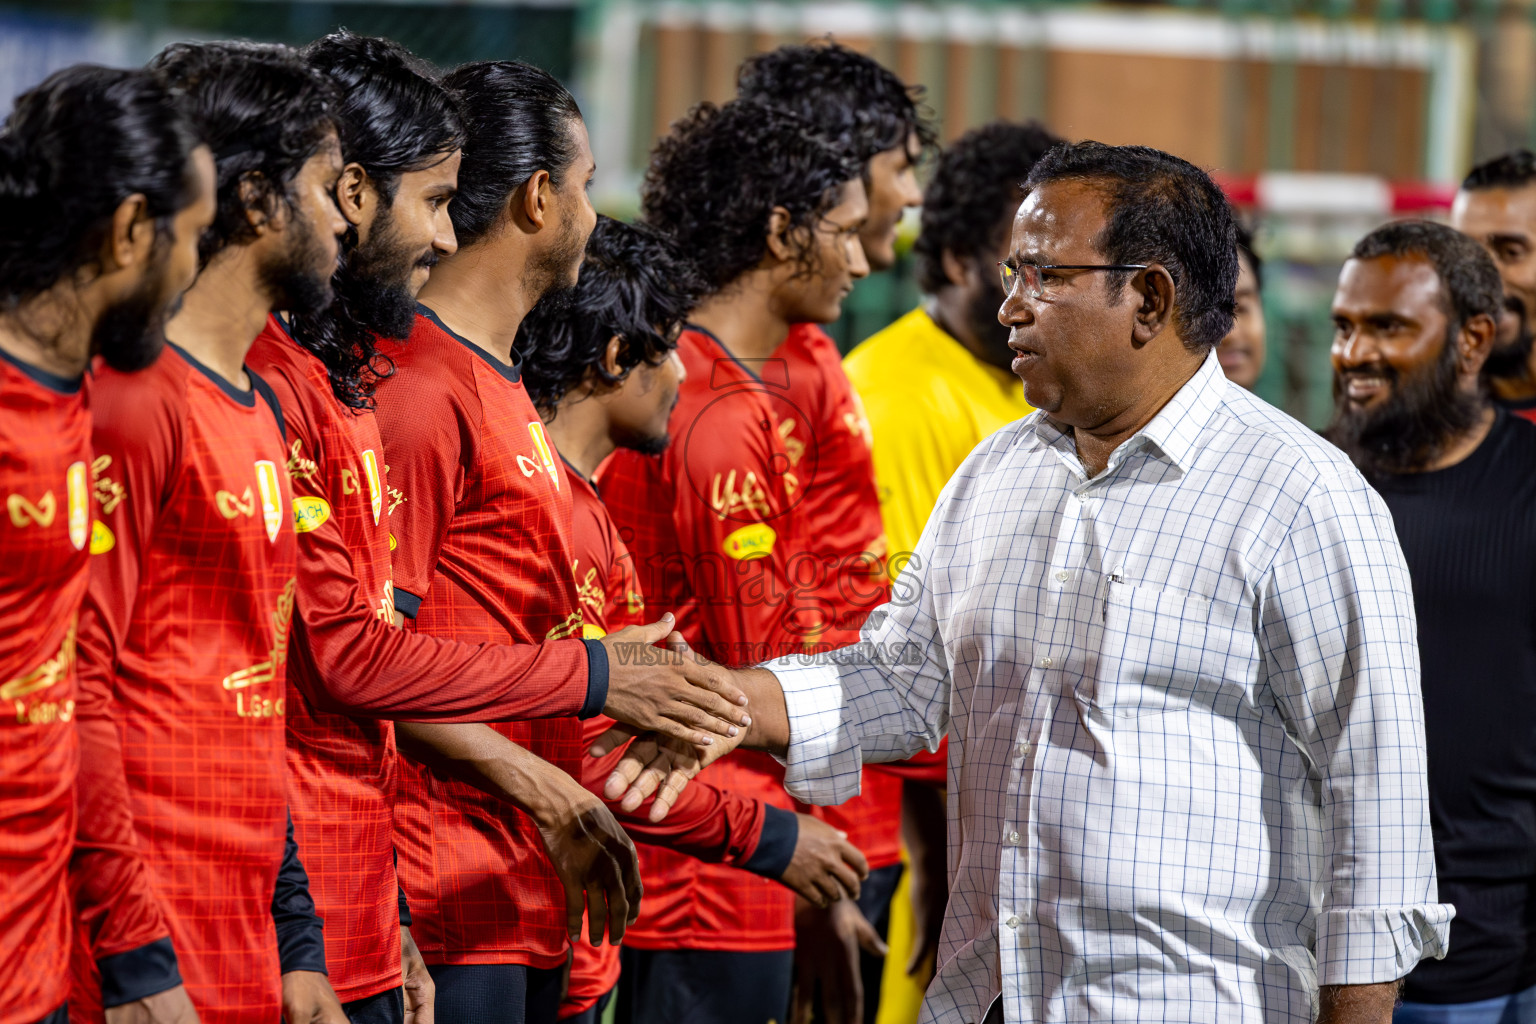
(1340, 648)
(882, 699)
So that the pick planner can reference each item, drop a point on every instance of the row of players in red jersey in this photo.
(252, 533)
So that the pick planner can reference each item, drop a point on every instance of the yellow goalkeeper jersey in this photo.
(929, 402)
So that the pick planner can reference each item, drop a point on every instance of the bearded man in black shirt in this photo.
(1415, 317)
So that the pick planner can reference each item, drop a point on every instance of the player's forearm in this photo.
(481, 757)
(366, 666)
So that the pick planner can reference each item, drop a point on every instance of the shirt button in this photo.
(1024, 748)
(1014, 839)
(1045, 662)
(1063, 576)
(1013, 922)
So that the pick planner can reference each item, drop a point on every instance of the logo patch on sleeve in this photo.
(309, 513)
(755, 540)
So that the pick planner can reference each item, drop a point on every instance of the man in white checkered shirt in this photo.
(1170, 634)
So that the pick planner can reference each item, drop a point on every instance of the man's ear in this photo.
(131, 238)
(1154, 292)
(262, 208)
(956, 270)
(1473, 343)
(356, 195)
(611, 355)
(779, 246)
(534, 199)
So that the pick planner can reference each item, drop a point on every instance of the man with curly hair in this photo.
(771, 214)
(938, 380)
(868, 112)
(602, 369)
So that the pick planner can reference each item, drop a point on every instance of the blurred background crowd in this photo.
(1322, 118)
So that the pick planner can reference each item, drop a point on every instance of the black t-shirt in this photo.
(1469, 535)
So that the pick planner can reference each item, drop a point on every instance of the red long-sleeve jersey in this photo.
(45, 458)
(483, 532)
(713, 527)
(829, 443)
(347, 655)
(706, 823)
(183, 648)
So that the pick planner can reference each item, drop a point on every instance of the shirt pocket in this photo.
(1153, 647)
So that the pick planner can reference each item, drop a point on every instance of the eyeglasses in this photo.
(1034, 281)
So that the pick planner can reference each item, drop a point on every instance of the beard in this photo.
(373, 283)
(297, 280)
(1512, 358)
(981, 318)
(645, 444)
(130, 334)
(1421, 416)
(557, 268)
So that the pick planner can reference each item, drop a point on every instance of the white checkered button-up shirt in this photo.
(1186, 751)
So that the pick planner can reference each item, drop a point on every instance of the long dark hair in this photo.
(71, 151)
(393, 117)
(261, 110)
(519, 121)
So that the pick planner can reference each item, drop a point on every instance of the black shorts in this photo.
(496, 994)
(384, 1008)
(703, 986)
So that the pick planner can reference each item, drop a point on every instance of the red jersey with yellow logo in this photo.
(706, 823)
(483, 555)
(45, 458)
(183, 649)
(829, 442)
(712, 524)
(347, 655)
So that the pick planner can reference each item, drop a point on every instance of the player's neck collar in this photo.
(245, 398)
(512, 373)
(51, 381)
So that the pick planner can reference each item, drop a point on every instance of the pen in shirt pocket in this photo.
(1115, 575)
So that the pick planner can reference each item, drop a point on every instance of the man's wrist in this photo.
(769, 731)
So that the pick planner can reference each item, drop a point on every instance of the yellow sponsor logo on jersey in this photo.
(393, 543)
(277, 658)
(545, 453)
(78, 487)
(102, 538)
(309, 513)
(375, 484)
(571, 626)
(271, 497)
(52, 671)
(755, 540)
(24, 513)
(230, 506)
(109, 493)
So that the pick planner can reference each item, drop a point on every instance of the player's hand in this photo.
(309, 999)
(594, 859)
(826, 866)
(673, 693)
(827, 944)
(173, 1006)
(415, 981)
(656, 764)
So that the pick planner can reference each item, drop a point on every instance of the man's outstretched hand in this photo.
(661, 764)
(670, 692)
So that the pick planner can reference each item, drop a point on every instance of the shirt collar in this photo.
(1175, 431)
